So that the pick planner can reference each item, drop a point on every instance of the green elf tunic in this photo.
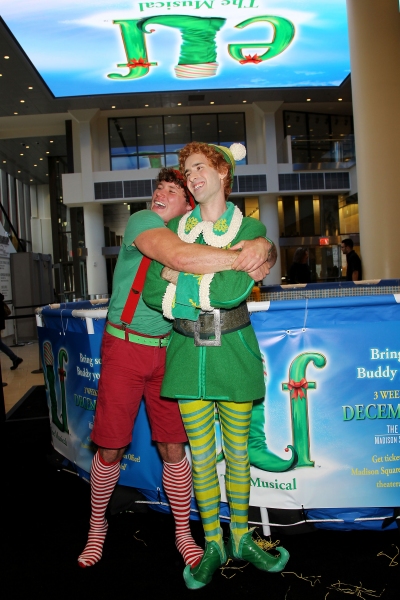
(234, 370)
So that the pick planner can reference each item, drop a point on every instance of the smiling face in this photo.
(203, 180)
(169, 201)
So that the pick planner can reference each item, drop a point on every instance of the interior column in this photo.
(268, 205)
(374, 33)
(92, 210)
(94, 242)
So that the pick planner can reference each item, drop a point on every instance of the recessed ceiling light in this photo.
(47, 174)
(21, 154)
(40, 158)
(113, 107)
(18, 171)
(26, 146)
(179, 103)
(31, 180)
(35, 165)
(47, 152)
(244, 101)
(6, 57)
(308, 99)
(22, 101)
(146, 105)
(211, 102)
(51, 141)
(340, 99)
(15, 113)
(1, 74)
(30, 88)
(4, 161)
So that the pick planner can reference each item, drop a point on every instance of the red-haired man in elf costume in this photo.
(213, 358)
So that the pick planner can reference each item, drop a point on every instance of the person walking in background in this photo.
(354, 272)
(300, 271)
(16, 360)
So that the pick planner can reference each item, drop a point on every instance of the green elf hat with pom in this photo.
(234, 153)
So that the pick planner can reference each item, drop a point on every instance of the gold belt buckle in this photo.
(217, 330)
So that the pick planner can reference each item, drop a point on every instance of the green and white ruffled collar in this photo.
(218, 234)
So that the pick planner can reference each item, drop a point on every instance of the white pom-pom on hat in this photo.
(238, 151)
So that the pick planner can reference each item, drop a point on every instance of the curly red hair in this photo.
(214, 158)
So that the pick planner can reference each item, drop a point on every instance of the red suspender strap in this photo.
(135, 291)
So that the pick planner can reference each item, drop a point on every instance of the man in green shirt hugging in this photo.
(133, 358)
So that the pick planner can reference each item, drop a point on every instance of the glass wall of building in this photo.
(304, 220)
(154, 142)
(15, 211)
(319, 137)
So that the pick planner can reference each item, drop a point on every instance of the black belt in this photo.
(213, 324)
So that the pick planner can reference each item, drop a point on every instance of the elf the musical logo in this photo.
(198, 49)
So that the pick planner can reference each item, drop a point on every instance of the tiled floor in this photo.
(22, 379)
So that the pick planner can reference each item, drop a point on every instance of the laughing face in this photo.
(169, 201)
(203, 180)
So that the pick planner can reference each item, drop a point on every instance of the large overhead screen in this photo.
(86, 47)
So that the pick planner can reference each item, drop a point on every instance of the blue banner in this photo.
(70, 347)
(332, 370)
(333, 388)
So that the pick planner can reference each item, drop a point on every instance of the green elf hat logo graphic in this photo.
(198, 53)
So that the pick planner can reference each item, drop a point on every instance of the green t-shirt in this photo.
(145, 320)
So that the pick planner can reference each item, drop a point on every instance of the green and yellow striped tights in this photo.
(199, 421)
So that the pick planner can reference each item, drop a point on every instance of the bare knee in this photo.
(110, 455)
(171, 453)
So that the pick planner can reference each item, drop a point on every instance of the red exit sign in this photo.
(324, 241)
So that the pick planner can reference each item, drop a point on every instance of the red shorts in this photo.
(130, 371)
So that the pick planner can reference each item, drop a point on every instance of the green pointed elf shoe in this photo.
(214, 557)
(250, 552)
(260, 455)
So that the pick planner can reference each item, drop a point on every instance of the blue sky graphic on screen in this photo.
(88, 47)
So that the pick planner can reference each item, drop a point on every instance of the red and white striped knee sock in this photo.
(103, 479)
(177, 482)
